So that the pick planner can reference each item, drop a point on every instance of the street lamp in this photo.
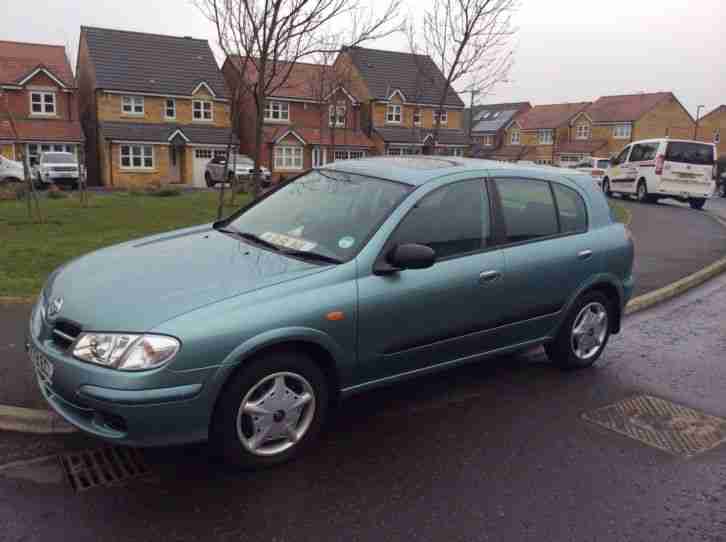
(698, 118)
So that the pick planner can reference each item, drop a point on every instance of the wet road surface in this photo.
(492, 451)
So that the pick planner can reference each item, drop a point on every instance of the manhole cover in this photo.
(659, 423)
(105, 466)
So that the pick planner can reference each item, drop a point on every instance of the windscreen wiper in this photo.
(247, 236)
(307, 255)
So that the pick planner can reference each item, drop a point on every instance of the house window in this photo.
(544, 137)
(393, 114)
(514, 138)
(277, 111)
(170, 109)
(42, 103)
(443, 115)
(203, 153)
(348, 155)
(33, 150)
(488, 140)
(137, 157)
(717, 136)
(544, 162)
(288, 157)
(417, 117)
(202, 110)
(337, 116)
(622, 131)
(456, 151)
(132, 105)
(582, 131)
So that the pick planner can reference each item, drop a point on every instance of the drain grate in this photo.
(659, 423)
(103, 467)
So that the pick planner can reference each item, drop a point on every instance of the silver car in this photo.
(60, 168)
(242, 165)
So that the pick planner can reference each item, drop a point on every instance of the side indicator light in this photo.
(335, 316)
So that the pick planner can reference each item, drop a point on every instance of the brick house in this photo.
(536, 134)
(38, 91)
(309, 121)
(155, 108)
(486, 125)
(400, 95)
(611, 122)
(712, 128)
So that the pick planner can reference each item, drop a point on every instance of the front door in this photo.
(417, 318)
(175, 163)
(624, 173)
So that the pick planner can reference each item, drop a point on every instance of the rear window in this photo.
(528, 208)
(690, 153)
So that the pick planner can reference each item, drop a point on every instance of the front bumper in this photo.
(120, 408)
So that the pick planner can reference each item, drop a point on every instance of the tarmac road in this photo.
(493, 451)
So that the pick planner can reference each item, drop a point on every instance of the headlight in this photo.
(126, 352)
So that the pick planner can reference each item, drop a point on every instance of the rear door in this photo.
(688, 168)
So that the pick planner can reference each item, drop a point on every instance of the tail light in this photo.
(659, 161)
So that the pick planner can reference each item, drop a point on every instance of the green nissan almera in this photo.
(355, 275)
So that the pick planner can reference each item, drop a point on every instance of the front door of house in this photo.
(175, 158)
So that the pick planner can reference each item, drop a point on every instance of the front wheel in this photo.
(697, 203)
(584, 333)
(270, 411)
(642, 193)
(606, 188)
(722, 190)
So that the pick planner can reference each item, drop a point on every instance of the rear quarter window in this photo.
(689, 153)
(571, 208)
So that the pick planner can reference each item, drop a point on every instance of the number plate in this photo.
(43, 366)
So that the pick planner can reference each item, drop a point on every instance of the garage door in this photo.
(201, 158)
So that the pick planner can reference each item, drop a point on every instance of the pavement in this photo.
(495, 451)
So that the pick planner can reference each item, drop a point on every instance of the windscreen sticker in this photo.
(287, 241)
(346, 242)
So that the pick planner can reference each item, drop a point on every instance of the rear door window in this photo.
(689, 153)
(528, 209)
(571, 209)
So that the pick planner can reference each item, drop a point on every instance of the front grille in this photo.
(64, 168)
(65, 333)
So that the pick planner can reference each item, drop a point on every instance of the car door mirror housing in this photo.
(411, 256)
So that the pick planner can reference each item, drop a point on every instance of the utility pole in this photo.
(472, 92)
(698, 118)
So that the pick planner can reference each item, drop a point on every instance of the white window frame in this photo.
(140, 151)
(167, 102)
(44, 112)
(34, 150)
(203, 154)
(488, 140)
(583, 131)
(288, 157)
(444, 117)
(515, 140)
(130, 106)
(393, 114)
(200, 111)
(545, 137)
(622, 131)
(277, 111)
(417, 114)
(347, 154)
(336, 116)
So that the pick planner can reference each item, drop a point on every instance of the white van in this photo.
(664, 168)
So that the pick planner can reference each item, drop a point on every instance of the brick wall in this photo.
(667, 119)
(454, 121)
(708, 126)
(124, 178)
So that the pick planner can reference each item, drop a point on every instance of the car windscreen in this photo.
(326, 212)
(689, 153)
(603, 164)
(59, 158)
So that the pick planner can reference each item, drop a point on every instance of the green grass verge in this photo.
(621, 213)
(29, 252)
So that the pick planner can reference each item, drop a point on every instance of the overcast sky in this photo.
(566, 50)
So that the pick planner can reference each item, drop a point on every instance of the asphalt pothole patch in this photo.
(662, 424)
(103, 467)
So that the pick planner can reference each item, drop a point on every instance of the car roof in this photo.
(669, 140)
(419, 170)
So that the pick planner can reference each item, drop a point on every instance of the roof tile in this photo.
(625, 108)
(550, 116)
(17, 60)
(42, 130)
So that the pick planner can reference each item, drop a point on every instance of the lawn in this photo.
(29, 252)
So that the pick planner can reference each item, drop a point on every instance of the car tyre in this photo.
(282, 394)
(697, 203)
(208, 180)
(642, 193)
(584, 334)
(606, 188)
(722, 190)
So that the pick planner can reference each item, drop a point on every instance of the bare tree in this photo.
(34, 212)
(268, 37)
(469, 41)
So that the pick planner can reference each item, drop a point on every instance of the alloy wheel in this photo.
(276, 413)
(589, 331)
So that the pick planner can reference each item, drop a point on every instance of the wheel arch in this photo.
(608, 287)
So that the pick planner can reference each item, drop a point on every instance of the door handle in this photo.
(584, 254)
(489, 276)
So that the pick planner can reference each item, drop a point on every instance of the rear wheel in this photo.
(270, 411)
(584, 334)
(642, 193)
(606, 188)
(722, 190)
(697, 203)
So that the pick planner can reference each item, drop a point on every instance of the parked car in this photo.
(242, 164)
(10, 171)
(664, 168)
(722, 185)
(596, 167)
(356, 275)
(59, 168)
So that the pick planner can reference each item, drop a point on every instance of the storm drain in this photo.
(659, 423)
(103, 467)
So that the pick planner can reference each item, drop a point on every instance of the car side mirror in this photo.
(411, 256)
